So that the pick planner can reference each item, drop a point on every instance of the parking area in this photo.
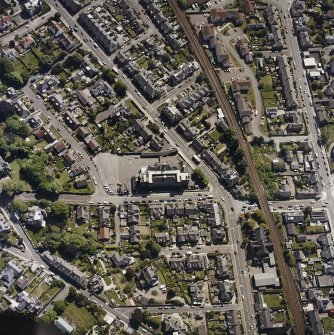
(115, 169)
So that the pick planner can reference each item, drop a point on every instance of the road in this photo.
(287, 280)
(34, 255)
(313, 128)
(24, 29)
(231, 206)
(66, 135)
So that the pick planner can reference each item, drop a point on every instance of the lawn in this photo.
(107, 280)
(269, 99)
(15, 175)
(80, 317)
(19, 66)
(112, 295)
(328, 134)
(267, 82)
(272, 300)
(30, 60)
(215, 135)
(328, 324)
(133, 109)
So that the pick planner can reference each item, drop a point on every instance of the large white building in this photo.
(162, 175)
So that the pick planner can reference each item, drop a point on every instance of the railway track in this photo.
(288, 282)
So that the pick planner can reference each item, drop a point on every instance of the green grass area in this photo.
(30, 60)
(262, 157)
(2, 263)
(314, 229)
(269, 99)
(272, 300)
(55, 132)
(251, 97)
(327, 133)
(112, 295)
(107, 280)
(267, 82)
(15, 175)
(328, 324)
(19, 66)
(80, 317)
(279, 317)
(133, 109)
(215, 135)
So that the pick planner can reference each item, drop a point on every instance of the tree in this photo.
(154, 128)
(25, 75)
(258, 216)
(151, 64)
(72, 244)
(290, 258)
(120, 88)
(74, 61)
(16, 126)
(130, 273)
(49, 188)
(14, 79)
(127, 289)
(46, 62)
(57, 17)
(53, 241)
(200, 178)
(5, 66)
(72, 294)
(11, 44)
(183, 4)
(59, 211)
(109, 75)
(19, 206)
(11, 187)
(154, 248)
(59, 307)
(57, 68)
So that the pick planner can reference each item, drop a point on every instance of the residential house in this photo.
(104, 234)
(173, 324)
(119, 261)
(162, 238)
(219, 16)
(225, 291)
(287, 82)
(172, 114)
(25, 44)
(36, 217)
(102, 88)
(147, 278)
(11, 272)
(196, 262)
(196, 293)
(5, 22)
(55, 28)
(81, 181)
(82, 215)
(222, 267)
(65, 269)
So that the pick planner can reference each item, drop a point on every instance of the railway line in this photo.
(287, 280)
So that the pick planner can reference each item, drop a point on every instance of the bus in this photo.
(196, 159)
(115, 69)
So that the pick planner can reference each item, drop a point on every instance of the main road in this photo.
(287, 279)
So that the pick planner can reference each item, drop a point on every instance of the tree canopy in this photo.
(120, 88)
